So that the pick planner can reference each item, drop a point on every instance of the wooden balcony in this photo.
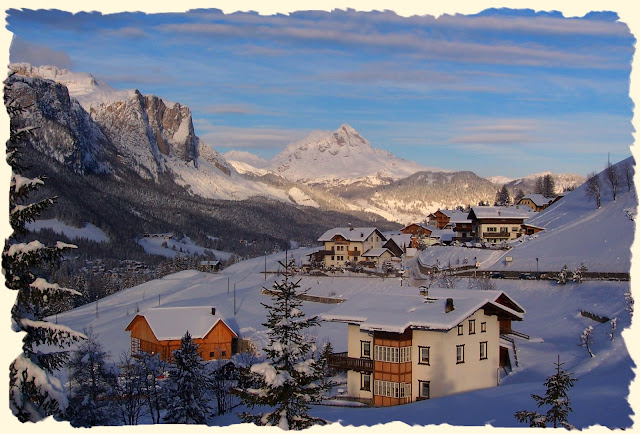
(496, 234)
(342, 362)
(354, 253)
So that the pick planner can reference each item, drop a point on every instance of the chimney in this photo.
(350, 227)
(448, 307)
(213, 311)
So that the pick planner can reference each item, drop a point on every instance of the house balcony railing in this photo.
(504, 331)
(496, 234)
(354, 253)
(340, 361)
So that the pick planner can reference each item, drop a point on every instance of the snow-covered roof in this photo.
(420, 224)
(501, 212)
(375, 253)
(400, 239)
(209, 262)
(456, 216)
(169, 323)
(537, 199)
(443, 234)
(395, 313)
(350, 234)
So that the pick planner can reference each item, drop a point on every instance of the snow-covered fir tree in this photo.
(186, 391)
(92, 384)
(556, 397)
(563, 275)
(34, 391)
(291, 378)
(578, 273)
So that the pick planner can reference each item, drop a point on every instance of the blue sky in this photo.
(501, 92)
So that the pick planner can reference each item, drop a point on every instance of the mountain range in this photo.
(95, 137)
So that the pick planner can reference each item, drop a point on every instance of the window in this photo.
(223, 354)
(483, 327)
(391, 389)
(365, 349)
(460, 330)
(483, 350)
(212, 354)
(365, 382)
(333, 258)
(491, 229)
(423, 355)
(459, 354)
(472, 326)
(392, 354)
(515, 229)
(423, 389)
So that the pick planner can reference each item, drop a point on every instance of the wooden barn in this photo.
(159, 331)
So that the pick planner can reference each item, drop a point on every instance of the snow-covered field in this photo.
(154, 246)
(89, 231)
(552, 320)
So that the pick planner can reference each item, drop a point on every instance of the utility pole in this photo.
(265, 265)
(234, 299)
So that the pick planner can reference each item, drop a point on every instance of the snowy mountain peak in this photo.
(82, 86)
(340, 156)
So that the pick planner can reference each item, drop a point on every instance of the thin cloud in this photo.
(37, 55)
(224, 136)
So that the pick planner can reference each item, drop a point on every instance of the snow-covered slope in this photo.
(576, 232)
(245, 157)
(338, 157)
(552, 320)
(82, 86)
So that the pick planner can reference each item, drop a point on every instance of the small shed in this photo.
(209, 266)
(160, 329)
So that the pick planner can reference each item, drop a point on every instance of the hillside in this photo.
(576, 232)
(552, 320)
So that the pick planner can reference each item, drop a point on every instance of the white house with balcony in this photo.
(405, 348)
(342, 245)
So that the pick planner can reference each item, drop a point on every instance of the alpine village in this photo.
(158, 281)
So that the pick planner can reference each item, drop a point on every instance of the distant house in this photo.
(160, 329)
(342, 245)
(536, 202)
(397, 242)
(209, 266)
(378, 256)
(419, 233)
(495, 224)
(456, 220)
(405, 348)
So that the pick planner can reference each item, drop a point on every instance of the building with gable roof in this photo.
(536, 202)
(342, 245)
(405, 348)
(159, 330)
(495, 224)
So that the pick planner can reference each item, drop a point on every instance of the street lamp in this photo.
(537, 269)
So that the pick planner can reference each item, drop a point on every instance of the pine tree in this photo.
(34, 391)
(187, 400)
(548, 186)
(519, 195)
(291, 378)
(92, 384)
(130, 390)
(502, 197)
(556, 396)
(562, 276)
(539, 187)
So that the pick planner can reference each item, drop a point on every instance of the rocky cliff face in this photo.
(145, 130)
(64, 130)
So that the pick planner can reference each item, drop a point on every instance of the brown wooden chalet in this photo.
(159, 331)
